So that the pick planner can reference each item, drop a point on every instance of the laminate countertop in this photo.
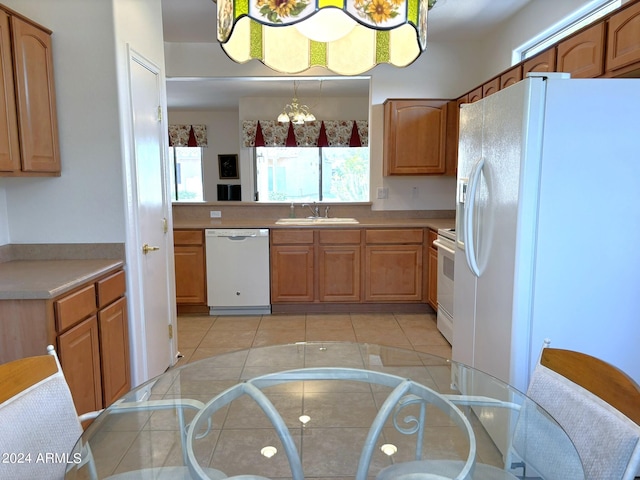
(433, 223)
(45, 279)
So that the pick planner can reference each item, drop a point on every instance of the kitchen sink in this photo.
(316, 221)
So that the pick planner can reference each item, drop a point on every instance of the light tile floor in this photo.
(202, 336)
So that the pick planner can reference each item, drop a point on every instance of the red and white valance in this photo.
(326, 133)
(188, 135)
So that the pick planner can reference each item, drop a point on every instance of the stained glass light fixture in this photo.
(348, 37)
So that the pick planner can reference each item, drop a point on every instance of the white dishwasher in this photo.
(238, 271)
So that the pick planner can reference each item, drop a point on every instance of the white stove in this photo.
(446, 244)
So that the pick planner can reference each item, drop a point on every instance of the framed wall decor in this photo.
(228, 165)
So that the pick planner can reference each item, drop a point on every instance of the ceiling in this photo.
(195, 20)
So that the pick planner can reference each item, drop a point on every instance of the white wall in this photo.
(4, 217)
(84, 204)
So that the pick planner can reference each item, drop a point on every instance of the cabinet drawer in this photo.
(188, 237)
(75, 307)
(400, 235)
(339, 236)
(111, 288)
(293, 236)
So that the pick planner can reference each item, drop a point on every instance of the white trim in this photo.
(585, 15)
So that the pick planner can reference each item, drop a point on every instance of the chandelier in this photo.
(347, 37)
(296, 113)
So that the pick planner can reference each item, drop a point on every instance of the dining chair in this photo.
(596, 404)
(40, 426)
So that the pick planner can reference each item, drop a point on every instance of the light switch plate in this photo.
(215, 213)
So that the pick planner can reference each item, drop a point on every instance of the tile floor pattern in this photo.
(125, 443)
(204, 336)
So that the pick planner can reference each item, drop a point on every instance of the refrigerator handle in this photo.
(470, 251)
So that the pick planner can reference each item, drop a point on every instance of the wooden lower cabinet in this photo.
(347, 266)
(339, 265)
(88, 327)
(79, 352)
(393, 273)
(393, 265)
(292, 273)
(114, 346)
(190, 267)
(93, 341)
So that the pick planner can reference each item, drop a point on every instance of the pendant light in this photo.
(296, 113)
(347, 37)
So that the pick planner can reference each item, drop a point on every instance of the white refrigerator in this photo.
(548, 225)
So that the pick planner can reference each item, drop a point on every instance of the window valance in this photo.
(188, 135)
(325, 133)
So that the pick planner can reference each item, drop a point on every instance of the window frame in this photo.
(582, 17)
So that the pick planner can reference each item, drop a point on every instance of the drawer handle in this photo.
(146, 248)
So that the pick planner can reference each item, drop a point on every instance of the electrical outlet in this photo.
(414, 192)
(383, 193)
(215, 213)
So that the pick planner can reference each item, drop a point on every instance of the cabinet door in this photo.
(544, 61)
(582, 55)
(511, 77)
(393, 273)
(432, 292)
(79, 351)
(623, 38)
(35, 97)
(414, 137)
(339, 273)
(114, 349)
(475, 95)
(292, 273)
(9, 143)
(491, 87)
(191, 287)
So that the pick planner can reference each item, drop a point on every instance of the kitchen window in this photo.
(312, 174)
(584, 16)
(186, 174)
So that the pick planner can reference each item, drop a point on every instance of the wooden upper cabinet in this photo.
(510, 77)
(582, 55)
(491, 87)
(27, 58)
(544, 61)
(414, 137)
(623, 38)
(475, 95)
(9, 143)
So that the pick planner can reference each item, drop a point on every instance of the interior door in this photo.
(155, 246)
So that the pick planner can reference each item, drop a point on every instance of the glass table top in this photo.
(328, 410)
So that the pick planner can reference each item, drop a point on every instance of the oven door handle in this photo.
(446, 248)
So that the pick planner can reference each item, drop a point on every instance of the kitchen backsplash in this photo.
(237, 211)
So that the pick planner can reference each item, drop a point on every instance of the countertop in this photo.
(433, 223)
(45, 279)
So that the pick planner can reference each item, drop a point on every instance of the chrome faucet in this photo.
(315, 209)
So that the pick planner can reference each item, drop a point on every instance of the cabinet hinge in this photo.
(165, 225)
(170, 331)
(159, 113)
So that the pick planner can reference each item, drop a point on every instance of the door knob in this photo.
(146, 248)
